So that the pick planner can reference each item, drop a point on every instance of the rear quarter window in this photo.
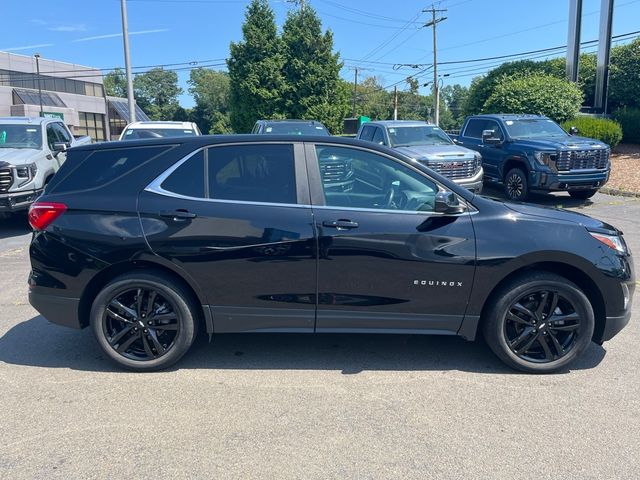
(102, 167)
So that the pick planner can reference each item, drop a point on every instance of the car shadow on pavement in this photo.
(39, 343)
(558, 199)
(14, 226)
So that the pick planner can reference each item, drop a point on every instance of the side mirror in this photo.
(573, 131)
(60, 147)
(448, 204)
(489, 139)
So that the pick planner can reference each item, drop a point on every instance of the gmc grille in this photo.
(583, 160)
(6, 179)
(455, 169)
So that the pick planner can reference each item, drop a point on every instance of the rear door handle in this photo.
(177, 214)
(340, 224)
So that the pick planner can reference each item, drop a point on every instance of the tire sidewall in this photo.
(186, 329)
(495, 331)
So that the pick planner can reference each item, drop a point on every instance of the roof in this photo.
(168, 125)
(400, 123)
(27, 120)
(509, 116)
(292, 120)
(121, 106)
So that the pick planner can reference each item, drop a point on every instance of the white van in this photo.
(141, 130)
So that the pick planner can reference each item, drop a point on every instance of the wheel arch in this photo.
(517, 161)
(568, 271)
(105, 276)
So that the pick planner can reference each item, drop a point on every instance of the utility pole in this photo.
(355, 92)
(127, 62)
(436, 88)
(37, 56)
(395, 102)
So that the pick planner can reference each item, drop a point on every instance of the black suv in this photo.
(148, 241)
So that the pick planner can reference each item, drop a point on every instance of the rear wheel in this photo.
(516, 186)
(144, 321)
(539, 323)
(583, 194)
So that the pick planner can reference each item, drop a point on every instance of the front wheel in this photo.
(583, 194)
(516, 186)
(539, 323)
(144, 321)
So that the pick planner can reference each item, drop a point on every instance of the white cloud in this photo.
(114, 35)
(68, 28)
(26, 47)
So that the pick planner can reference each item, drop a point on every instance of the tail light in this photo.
(41, 214)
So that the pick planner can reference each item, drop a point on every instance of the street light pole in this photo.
(127, 62)
(37, 56)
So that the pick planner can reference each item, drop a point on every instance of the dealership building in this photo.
(74, 93)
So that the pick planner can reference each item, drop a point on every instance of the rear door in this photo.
(387, 261)
(492, 155)
(236, 218)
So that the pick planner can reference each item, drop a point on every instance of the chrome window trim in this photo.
(156, 185)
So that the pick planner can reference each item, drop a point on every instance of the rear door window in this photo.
(367, 133)
(474, 128)
(188, 178)
(252, 173)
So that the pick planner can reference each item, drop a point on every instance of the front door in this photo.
(387, 261)
(232, 217)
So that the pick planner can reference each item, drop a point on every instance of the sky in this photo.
(377, 36)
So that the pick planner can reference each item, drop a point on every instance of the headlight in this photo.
(545, 158)
(26, 172)
(612, 241)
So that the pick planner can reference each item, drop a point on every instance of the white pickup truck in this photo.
(31, 152)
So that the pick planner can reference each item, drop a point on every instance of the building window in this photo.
(11, 78)
(92, 124)
(32, 97)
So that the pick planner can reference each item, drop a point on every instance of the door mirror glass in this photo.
(448, 203)
(60, 147)
(573, 131)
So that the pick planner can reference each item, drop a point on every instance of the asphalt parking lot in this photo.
(327, 406)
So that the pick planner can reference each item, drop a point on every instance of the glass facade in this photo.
(10, 78)
(92, 124)
(29, 97)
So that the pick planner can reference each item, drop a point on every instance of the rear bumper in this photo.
(568, 181)
(16, 201)
(60, 310)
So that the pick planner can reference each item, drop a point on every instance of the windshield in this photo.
(534, 127)
(138, 133)
(296, 129)
(21, 136)
(417, 135)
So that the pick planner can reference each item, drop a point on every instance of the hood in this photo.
(562, 143)
(18, 156)
(436, 152)
(562, 215)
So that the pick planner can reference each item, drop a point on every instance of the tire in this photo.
(583, 194)
(134, 339)
(520, 342)
(516, 185)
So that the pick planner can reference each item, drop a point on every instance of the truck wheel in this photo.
(516, 186)
(583, 194)
(539, 322)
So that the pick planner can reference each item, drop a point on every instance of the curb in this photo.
(619, 193)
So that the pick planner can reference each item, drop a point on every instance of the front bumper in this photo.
(474, 183)
(613, 326)
(17, 201)
(60, 310)
(568, 181)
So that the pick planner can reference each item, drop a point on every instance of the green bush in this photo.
(602, 129)
(629, 118)
(536, 93)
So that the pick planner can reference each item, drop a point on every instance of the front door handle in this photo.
(177, 214)
(340, 224)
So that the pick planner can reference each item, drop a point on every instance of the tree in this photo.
(156, 92)
(211, 92)
(311, 71)
(454, 97)
(624, 79)
(543, 94)
(372, 100)
(255, 69)
(115, 83)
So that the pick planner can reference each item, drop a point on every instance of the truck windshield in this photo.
(417, 135)
(295, 129)
(534, 127)
(20, 136)
(138, 133)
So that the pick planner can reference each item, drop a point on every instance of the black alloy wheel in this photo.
(538, 322)
(140, 324)
(515, 184)
(144, 320)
